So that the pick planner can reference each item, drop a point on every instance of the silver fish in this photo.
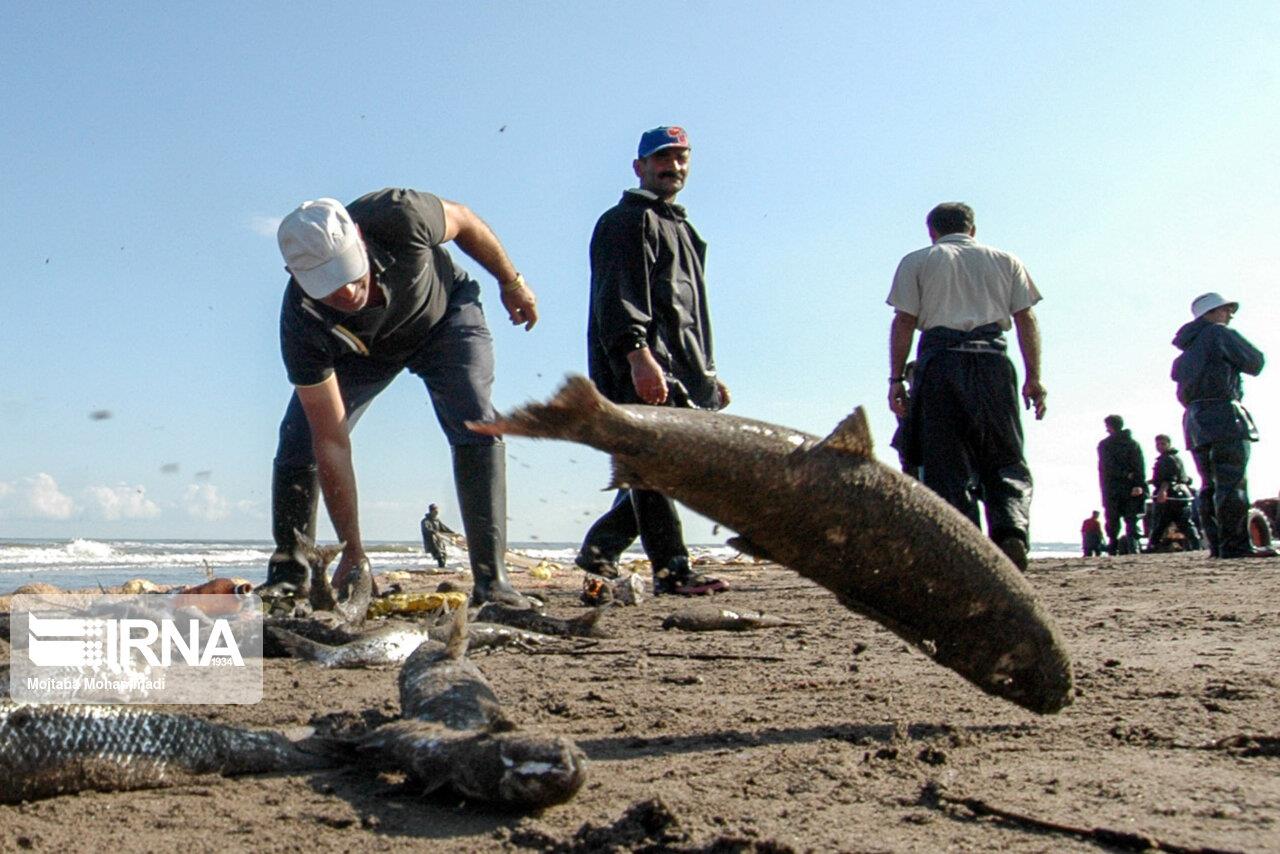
(454, 734)
(723, 620)
(887, 546)
(50, 750)
(378, 648)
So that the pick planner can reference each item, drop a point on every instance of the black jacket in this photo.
(648, 289)
(1169, 472)
(1120, 464)
(1209, 382)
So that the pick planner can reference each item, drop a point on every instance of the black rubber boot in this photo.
(294, 494)
(480, 474)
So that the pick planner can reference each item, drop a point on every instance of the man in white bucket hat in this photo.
(1219, 430)
(372, 292)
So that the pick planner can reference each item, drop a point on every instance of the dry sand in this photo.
(829, 737)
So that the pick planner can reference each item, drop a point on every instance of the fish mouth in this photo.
(541, 773)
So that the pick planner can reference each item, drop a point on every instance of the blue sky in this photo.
(1126, 152)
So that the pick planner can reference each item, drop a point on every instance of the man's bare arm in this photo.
(901, 333)
(474, 237)
(327, 417)
(1033, 391)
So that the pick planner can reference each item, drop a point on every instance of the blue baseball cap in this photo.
(660, 138)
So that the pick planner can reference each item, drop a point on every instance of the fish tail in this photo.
(569, 414)
(456, 647)
(300, 647)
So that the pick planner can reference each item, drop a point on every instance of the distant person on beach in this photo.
(649, 342)
(964, 419)
(1122, 477)
(1219, 430)
(1091, 536)
(373, 292)
(1171, 501)
(433, 531)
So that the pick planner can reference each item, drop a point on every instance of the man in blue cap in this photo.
(649, 342)
(1219, 430)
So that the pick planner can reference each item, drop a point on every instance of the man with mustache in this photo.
(649, 342)
(373, 292)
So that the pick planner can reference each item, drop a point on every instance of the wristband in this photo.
(514, 284)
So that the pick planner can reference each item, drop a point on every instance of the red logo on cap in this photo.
(678, 134)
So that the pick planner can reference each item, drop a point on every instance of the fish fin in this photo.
(623, 477)
(585, 626)
(298, 646)
(564, 416)
(747, 547)
(456, 647)
(851, 436)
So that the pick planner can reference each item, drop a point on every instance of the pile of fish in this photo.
(885, 545)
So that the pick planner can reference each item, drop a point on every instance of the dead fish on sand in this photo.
(723, 620)
(320, 601)
(887, 546)
(534, 620)
(377, 648)
(454, 734)
(49, 750)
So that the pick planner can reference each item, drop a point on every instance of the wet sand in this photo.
(830, 736)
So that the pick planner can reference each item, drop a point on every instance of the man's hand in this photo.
(352, 556)
(898, 399)
(647, 377)
(1033, 394)
(521, 305)
(723, 391)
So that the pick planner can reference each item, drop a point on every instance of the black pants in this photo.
(636, 512)
(1120, 505)
(1224, 496)
(970, 439)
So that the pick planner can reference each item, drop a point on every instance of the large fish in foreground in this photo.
(887, 546)
(50, 750)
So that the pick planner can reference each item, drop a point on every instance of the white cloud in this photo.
(35, 497)
(202, 501)
(265, 225)
(119, 502)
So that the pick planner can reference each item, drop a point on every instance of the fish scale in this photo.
(49, 750)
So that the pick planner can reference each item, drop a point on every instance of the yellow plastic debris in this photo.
(414, 603)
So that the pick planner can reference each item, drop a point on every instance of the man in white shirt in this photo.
(964, 426)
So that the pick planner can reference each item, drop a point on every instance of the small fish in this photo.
(886, 545)
(51, 750)
(723, 620)
(351, 609)
(378, 648)
(536, 621)
(454, 734)
(492, 636)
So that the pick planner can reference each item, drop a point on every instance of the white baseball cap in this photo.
(322, 248)
(1205, 303)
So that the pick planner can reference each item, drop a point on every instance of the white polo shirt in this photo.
(961, 284)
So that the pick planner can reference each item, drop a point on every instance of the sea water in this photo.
(85, 563)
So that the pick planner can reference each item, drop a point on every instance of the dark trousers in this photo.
(636, 512)
(970, 437)
(455, 362)
(1224, 496)
(1117, 506)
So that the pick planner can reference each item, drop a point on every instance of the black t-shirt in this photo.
(403, 230)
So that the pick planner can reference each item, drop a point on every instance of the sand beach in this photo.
(828, 736)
